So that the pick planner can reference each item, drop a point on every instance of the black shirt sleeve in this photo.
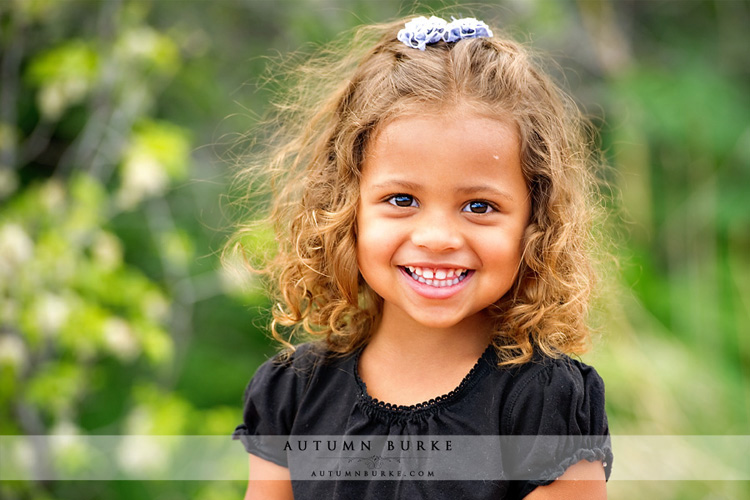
(555, 416)
(269, 409)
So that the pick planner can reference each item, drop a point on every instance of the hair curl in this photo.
(320, 132)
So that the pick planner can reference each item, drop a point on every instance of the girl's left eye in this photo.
(478, 207)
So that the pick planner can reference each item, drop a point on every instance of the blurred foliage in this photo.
(117, 119)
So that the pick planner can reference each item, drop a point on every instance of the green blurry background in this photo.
(119, 124)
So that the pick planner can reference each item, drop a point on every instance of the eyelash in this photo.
(489, 207)
(412, 200)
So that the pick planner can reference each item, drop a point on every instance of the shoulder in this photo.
(301, 357)
(274, 393)
(290, 367)
(562, 399)
(555, 396)
(291, 373)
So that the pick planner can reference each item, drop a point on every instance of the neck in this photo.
(399, 337)
(406, 363)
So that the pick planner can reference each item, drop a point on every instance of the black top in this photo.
(315, 394)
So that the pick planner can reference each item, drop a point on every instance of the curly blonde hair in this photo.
(320, 131)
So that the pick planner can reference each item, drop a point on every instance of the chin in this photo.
(439, 323)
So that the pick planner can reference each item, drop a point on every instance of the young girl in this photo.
(432, 214)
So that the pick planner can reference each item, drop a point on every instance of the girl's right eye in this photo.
(402, 200)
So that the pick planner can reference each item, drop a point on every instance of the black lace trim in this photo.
(433, 403)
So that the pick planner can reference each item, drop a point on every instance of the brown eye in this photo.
(402, 200)
(478, 207)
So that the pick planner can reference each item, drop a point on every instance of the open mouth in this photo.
(438, 278)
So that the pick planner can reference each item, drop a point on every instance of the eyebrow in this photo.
(409, 186)
(465, 190)
(469, 190)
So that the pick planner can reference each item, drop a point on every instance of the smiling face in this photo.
(442, 211)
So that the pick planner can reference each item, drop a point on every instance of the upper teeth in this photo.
(437, 277)
(439, 274)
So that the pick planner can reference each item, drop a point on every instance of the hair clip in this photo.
(420, 31)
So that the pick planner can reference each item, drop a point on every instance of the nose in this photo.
(436, 232)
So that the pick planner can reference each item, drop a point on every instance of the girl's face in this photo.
(442, 212)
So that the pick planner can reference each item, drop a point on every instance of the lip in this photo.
(435, 265)
(432, 292)
(446, 266)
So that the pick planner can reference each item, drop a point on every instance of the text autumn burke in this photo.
(367, 445)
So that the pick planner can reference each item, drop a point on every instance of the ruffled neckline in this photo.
(479, 368)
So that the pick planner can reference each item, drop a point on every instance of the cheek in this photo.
(367, 241)
(371, 244)
(505, 252)
(378, 244)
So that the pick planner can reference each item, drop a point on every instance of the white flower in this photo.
(21, 454)
(51, 313)
(107, 250)
(53, 196)
(143, 176)
(61, 93)
(421, 31)
(466, 27)
(139, 43)
(13, 351)
(120, 339)
(71, 451)
(155, 307)
(15, 248)
(142, 456)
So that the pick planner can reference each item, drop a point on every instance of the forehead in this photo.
(458, 133)
(445, 152)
